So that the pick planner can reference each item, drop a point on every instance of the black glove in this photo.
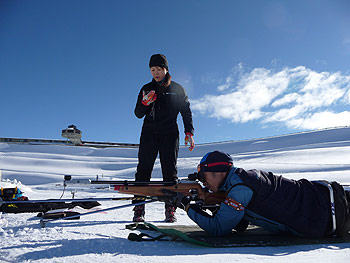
(176, 199)
(241, 226)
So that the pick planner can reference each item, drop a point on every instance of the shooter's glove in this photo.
(242, 225)
(148, 98)
(177, 199)
(189, 140)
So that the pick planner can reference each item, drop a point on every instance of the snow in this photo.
(38, 170)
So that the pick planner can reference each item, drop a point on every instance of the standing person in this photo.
(303, 207)
(160, 102)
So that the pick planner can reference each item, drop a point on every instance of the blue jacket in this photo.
(273, 202)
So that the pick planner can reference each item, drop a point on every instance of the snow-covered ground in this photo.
(102, 237)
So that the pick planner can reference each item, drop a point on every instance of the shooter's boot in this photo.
(170, 213)
(139, 213)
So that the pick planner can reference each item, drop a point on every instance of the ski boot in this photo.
(170, 213)
(139, 213)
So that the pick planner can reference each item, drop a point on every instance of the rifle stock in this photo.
(193, 189)
(154, 188)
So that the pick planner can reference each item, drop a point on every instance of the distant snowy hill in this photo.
(102, 237)
(323, 153)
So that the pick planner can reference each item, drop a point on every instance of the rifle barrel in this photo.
(115, 182)
(134, 183)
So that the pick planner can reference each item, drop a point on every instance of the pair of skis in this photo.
(43, 221)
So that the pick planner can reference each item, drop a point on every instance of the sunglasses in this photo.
(200, 174)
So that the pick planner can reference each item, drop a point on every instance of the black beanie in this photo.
(158, 60)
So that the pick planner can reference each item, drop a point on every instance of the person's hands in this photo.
(189, 140)
(148, 98)
(176, 199)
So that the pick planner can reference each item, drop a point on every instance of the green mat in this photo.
(253, 237)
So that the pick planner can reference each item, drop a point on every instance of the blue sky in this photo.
(250, 68)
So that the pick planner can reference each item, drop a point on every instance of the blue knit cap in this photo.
(215, 161)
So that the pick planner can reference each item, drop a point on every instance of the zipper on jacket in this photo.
(153, 112)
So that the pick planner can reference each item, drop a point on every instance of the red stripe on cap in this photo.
(217, 163)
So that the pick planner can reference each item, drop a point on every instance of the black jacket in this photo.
(161, 115)
(301, 205)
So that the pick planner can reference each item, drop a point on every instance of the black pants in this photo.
(168, 147)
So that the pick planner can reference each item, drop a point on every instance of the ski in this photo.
(43, 222)
(75, 200)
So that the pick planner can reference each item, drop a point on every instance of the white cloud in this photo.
(286, 99)
(321, 120)
(296, 97)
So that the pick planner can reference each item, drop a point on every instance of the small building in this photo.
(73, 134)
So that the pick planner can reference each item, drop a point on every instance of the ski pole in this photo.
(43, 222)
(75, 200)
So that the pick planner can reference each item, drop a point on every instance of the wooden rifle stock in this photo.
(155, 189)
(187, 188)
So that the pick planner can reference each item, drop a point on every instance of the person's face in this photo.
(158, 73)
(213, 180)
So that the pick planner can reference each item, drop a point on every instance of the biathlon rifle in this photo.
(190, 187)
